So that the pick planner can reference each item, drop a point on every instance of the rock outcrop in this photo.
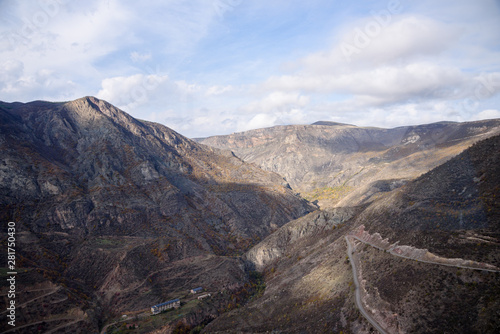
(278, 243)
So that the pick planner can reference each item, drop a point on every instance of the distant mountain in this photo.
(329, 123)
(417, 251)
(344, 165)
(115, 215)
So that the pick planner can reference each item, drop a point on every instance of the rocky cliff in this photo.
(119, 214)
(306, 228)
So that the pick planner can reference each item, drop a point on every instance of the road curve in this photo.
(391, 251)
(358, 292)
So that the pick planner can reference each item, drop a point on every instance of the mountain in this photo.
(114, 214)
(422, 258)
(345, 165)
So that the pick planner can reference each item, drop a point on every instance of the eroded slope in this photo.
(452, 211)
(121, 214)
(345, 165)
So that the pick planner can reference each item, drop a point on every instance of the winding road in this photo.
(359, 304)
(392, 252)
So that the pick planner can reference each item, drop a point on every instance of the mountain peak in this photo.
(90, 103)
(115, 206)
(329, 123)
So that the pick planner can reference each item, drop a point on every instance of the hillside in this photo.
(427, 260)
(345, 165)
(115, 215)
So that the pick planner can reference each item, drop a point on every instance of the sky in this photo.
(212, 67)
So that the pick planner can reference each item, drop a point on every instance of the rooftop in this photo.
(166, 303)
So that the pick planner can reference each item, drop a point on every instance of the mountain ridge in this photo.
(115, 214)
(113, 211)
(344, 165)
(424, 261)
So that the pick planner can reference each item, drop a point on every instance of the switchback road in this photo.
(359, 304)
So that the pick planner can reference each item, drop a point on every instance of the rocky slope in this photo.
(114, 214)
(306, 228)
(344, 165)
(451, 211)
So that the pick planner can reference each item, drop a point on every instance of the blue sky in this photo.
(207, 67)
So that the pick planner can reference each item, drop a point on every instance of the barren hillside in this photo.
(345, 165)
(426, 257)
(118, 214)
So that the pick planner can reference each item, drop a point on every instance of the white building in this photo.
(196, 290)
(204, 296)
(174, 303)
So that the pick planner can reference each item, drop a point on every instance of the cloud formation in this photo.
(213, 67)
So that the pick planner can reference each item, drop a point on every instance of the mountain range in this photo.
(344, 165)
(315, 228)
(426, 258)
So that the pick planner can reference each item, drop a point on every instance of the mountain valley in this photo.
(436, 285)
(345, 165)
(322, 228)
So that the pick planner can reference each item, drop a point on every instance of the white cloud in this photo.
(277, 102)
(15, 82)
(138, 57)
(404, 38)
(130, 92)
(486, 85)
(10, 72)
(389, 68)
(258, 121)
(488, 114)
(200, 122)
(384, 83)
(188, 88)
(218, 90)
